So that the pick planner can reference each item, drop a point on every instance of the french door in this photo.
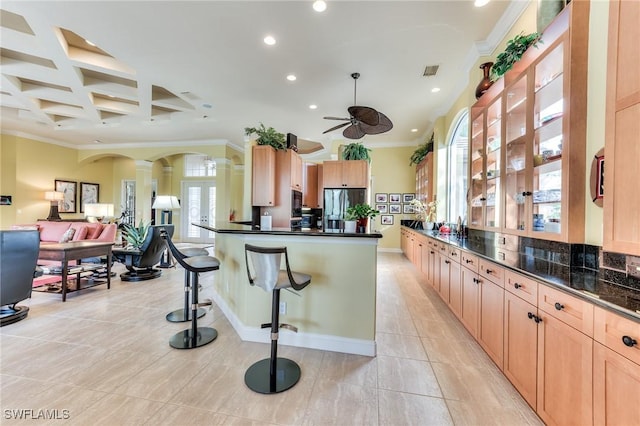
(198, 206)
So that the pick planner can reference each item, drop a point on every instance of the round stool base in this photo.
(179, 315)
(185, 340)
(257, 377)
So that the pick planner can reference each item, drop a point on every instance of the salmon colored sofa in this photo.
(52, 232)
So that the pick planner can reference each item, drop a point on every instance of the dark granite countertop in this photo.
(585, 283)
(241, 228)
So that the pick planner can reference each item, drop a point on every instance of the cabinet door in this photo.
(491, 327)
(616, 388)
(455, 289)
(476, 166)
(431, 278)
(493, 166)
(263, 177)
(622, 202)
(310, 186)
(296, 170)
(332, 174)
(445, 263)
(520, 346)
(355, 174)
(565, 373)
(320, 186)
(470, 293)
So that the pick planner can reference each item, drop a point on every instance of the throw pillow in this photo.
(67, 236)
(81, 233)
(25, 227)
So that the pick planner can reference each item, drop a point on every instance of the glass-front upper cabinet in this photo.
(549, 95)
(493, 161)
(476, 186)
(515, 177)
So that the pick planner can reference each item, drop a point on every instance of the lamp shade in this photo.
(166, 202)
(100, 210)
(53, 195)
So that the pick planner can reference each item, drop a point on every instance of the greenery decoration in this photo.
(360, 211)
(422, 151)
(356, 151)
(267, 136)
(135, 236)
(513, 53)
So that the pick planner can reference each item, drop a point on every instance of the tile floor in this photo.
(103, 358)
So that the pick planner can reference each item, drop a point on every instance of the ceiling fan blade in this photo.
(384, 125)
(367, 115)
(335, 128)
(336, 118)
(353, 132)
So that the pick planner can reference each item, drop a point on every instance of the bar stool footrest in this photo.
(257, 377)
(179, 315)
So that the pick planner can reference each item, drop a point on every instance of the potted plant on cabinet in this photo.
(421, 152)
(355, 151)
(513, 53)
(361, 213)
(267, 136)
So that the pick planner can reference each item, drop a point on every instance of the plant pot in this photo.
(350, 226)
(361, 226)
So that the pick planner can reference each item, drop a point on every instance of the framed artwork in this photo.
(5, 200)
(408, 209)
(597, 178)
(386, 219)
(395, 208)
(382, 208)
(69, 189)
(406, 198)
(395, 198)
(89, 193)
(381, 198)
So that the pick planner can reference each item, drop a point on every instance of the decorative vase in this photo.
(350, 226)
(486, 82)
(361, 226)
(427, 226)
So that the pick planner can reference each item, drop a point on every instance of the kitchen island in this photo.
(336, 312)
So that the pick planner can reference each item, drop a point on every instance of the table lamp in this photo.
(55, 197)
(100, 211)
(166, 203)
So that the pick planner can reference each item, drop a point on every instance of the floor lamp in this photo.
(166, 203)
(54, 197)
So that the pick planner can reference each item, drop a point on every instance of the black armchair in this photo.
(18, 258)
(140, 263)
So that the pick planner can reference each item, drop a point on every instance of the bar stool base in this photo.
(179, 315)
(185, 340)
(257, 377)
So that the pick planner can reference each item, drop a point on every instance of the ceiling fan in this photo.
(362, 120)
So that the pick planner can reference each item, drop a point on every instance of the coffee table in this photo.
(66, 252)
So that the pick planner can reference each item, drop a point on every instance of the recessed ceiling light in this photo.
(480, 3)
(319, 6)
(435, 90)
(269, 40)
(313, 106)
(90, 43)
(97, 141)
(414, 130)
(291, 77)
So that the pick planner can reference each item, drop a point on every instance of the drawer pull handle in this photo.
(432, 252)
(489, 271)
(536, 318)
(447, 262)
(469, 261)
(527, 193)
(629, 341)
(517, 286)
(453, 253)
(559, 306)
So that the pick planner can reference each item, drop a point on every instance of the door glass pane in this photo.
(193, 210)
(212, 209)
(494, 141)
(514, 180)
(476, 185)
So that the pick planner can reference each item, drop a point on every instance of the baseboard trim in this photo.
(300, 339)
(389, 250)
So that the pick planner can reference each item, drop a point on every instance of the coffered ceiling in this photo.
(175, 72)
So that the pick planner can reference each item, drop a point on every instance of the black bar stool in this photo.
(184, 314)
(195, 336)
(273, 375)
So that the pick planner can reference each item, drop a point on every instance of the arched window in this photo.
(457, 166)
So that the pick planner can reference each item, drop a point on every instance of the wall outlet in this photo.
(283, 308)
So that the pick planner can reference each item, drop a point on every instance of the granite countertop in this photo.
(585, 283)
(243, 228)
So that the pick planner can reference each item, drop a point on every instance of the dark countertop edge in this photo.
(582, 294)
(247, 229)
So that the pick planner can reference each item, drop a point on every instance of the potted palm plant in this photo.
(267, 136)
(361, 214)
(355, 151)
(134, 236)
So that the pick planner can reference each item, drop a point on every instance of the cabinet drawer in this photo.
(492, 272)
(454, 254)
(469, 261)
(568, 309)
(442, 247)
(521, 286)
(610, 329)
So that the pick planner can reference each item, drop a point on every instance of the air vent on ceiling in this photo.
(430, 70)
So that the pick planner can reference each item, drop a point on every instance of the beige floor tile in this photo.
(398, 408)
(351, 369)
(117, 410)
(338, 403)
(174, 415)
(407, 375)
(400, 346)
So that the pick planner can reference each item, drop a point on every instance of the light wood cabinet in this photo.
(432, 277)
(346, 174)
(320, 187)
(622, 200)
(470, 294)
(491, 320)
(424, 179)
(289, 165)
(455, 288)
(263, 178)
(445, 269)
(310, 196)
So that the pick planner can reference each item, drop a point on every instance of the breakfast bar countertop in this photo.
(242, 228)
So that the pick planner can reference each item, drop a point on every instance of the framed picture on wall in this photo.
(89, 194)
(395, 208)
(69, 189)
(408, 209)
(381, 197)
(395, 198)
(382, 208)
(407, 198)
(386, 219)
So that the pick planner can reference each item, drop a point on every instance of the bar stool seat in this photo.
(184, 314)
(273, 374)
(195, 336)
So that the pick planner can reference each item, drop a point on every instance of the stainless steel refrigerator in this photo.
(336, 203)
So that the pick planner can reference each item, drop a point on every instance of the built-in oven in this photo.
(296, 204)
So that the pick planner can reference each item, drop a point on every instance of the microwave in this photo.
(296, 203)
